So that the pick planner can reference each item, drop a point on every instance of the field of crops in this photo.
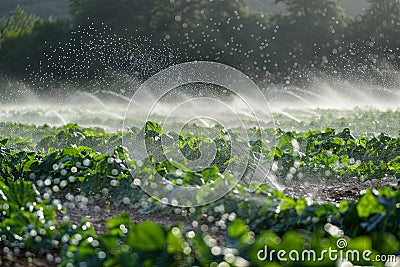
(73, 196)
(200, 133)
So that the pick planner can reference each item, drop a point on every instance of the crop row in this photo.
(32, 181)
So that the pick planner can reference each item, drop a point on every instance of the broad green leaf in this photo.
(368, 205)
(147, 236)
(237, 228)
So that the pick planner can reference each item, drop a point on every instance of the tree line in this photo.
(103, 38)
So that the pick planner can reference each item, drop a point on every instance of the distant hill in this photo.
(59, 8)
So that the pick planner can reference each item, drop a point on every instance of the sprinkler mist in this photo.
(213, 96)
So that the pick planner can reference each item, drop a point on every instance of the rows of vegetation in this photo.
(141, 37)
(314, 153)
(36, 175)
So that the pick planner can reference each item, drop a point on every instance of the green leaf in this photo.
(175, 243)
(301, 204)
(3, 142)
(147, 236)
(115, 222)
(153, 126)
(285, 142)
(210, 174)
(287, 203)
(368, 205)
(237, 228)
(19, 193)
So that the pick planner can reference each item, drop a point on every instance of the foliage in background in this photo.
(310, 35)
(26, 41)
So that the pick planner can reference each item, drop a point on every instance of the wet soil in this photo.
(327, 191)
(335, 191)
(100, 211)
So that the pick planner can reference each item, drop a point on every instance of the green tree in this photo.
(26, 40)
(311, 30)
(379, 25)
(3, 23)
(220, 30)
(18, 25)
(374, 42)
(126, 18)
(223, 31)
(200, 26)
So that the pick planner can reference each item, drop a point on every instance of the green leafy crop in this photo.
(33, 177)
